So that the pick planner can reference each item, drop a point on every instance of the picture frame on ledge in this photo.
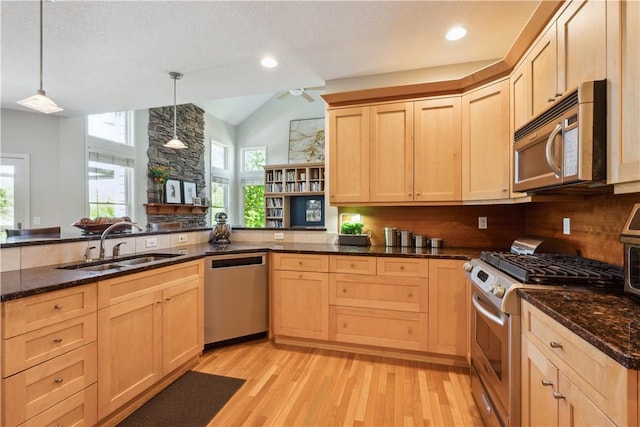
(188, 192)
(173, 191)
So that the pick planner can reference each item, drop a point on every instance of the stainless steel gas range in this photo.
(495, 315)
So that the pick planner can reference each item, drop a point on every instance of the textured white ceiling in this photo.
(115, 55)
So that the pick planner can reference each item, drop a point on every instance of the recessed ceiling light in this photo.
(456, 33)
(269, 62)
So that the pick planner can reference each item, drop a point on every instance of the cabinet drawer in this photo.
(405, 267)
(380, 328)
(81, 409)
(120, 289)
(31, 313)
(399, 293)
(352, 264)
(27, 350)
(598, 376)
(30, 392)
(298, 262)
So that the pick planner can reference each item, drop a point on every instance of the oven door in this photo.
(490, 343)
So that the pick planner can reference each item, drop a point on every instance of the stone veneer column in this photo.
(187, 164)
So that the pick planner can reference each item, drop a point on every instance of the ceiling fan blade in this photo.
(315, 88)
(284, 95)
(308, 97)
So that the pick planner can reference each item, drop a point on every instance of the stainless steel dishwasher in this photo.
(235, 298)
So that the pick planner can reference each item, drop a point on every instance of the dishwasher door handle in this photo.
(237, 262)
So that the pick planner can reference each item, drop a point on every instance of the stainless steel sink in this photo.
(114, 264)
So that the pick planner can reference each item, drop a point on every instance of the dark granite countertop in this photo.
(608, 321)
(22, 283)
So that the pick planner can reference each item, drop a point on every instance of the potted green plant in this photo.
(351, 234)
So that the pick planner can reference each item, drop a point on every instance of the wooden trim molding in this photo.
(537, 22)
(174, 209)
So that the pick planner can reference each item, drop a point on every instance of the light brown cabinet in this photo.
(566, 381)
(486, 146)
(300, 292)
(448, 312)
(349, 155)
(49, 358)
(624, 100)
(149, 324)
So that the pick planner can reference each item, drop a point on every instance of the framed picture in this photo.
(313, 211)
(173, 191)
(189, 192)
(306, 141)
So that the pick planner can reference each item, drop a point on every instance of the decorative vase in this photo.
(160, 192)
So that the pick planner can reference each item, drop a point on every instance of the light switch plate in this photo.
(566, 225)
(482, 222)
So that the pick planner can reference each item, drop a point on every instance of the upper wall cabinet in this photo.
(349, 155)
(486, 143)
(624, 100)
(572, 49)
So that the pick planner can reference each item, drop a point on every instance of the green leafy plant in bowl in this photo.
(351, 234)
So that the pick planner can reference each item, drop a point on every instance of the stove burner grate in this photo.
(554, 269)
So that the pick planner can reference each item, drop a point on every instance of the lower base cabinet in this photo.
(149, 323)
(396, 303)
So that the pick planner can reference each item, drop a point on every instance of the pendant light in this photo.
(41, 102)
(175, 142)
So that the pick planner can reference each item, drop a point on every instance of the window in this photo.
(218, 156)
(110, 183)
(114, 127)
(252, 185)
(253, 203)
(14, 191)
(219, 196)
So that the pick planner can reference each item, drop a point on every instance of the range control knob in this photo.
(467, 267)
(497, 290)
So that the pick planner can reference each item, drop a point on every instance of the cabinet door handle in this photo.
(554, 344)
(159, 301)
(410, 295)
(550, 99)
(557, 395)
(58, 306)
(344, 290)
(58, 380)
(547, 382)
(167, 299)
(57, 340)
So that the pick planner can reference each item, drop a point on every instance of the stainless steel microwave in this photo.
(566, 144)
(630, 239)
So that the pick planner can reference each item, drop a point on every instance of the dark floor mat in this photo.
(190, 401)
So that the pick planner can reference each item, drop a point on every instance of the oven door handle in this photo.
(549, 151)
(500, 318)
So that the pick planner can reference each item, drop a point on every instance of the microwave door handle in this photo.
(495, 318)
(549, 151)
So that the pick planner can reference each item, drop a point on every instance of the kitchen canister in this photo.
(420, 241)
(390, 236)
(436, 242)
(406, 238)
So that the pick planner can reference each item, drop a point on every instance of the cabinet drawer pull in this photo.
(58, 306)
(557, 395)
(410, 295)
(547, 382)
(554, 344)
(344, 291)
(58, 380)
(402, 267)
(167, 299)
(59, 425)
(159, 301)
(58, 340)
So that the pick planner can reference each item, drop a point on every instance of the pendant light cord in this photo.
(41, 91)
(174, 108)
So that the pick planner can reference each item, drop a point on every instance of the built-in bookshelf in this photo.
(284, 181)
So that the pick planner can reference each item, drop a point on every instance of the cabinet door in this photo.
(486, 145)
(624, 83)
(301, 304)
(437, 150)
(520, 96)
(182, 324)
(391, 161)
(539, 382)
(448, 316)
(129, 350)
(582, 43)
(543, 65)
(575, 409)
(349, 155)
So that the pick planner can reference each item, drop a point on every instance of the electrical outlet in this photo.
(278, 236)
(566, 225)
(482, 222)
(182, 238)
(151, 243)
(36, 220)
(182, 251)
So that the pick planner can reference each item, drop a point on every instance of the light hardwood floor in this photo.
(295, 386)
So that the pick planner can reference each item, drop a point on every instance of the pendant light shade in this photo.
(40, 101)
(175, 142)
